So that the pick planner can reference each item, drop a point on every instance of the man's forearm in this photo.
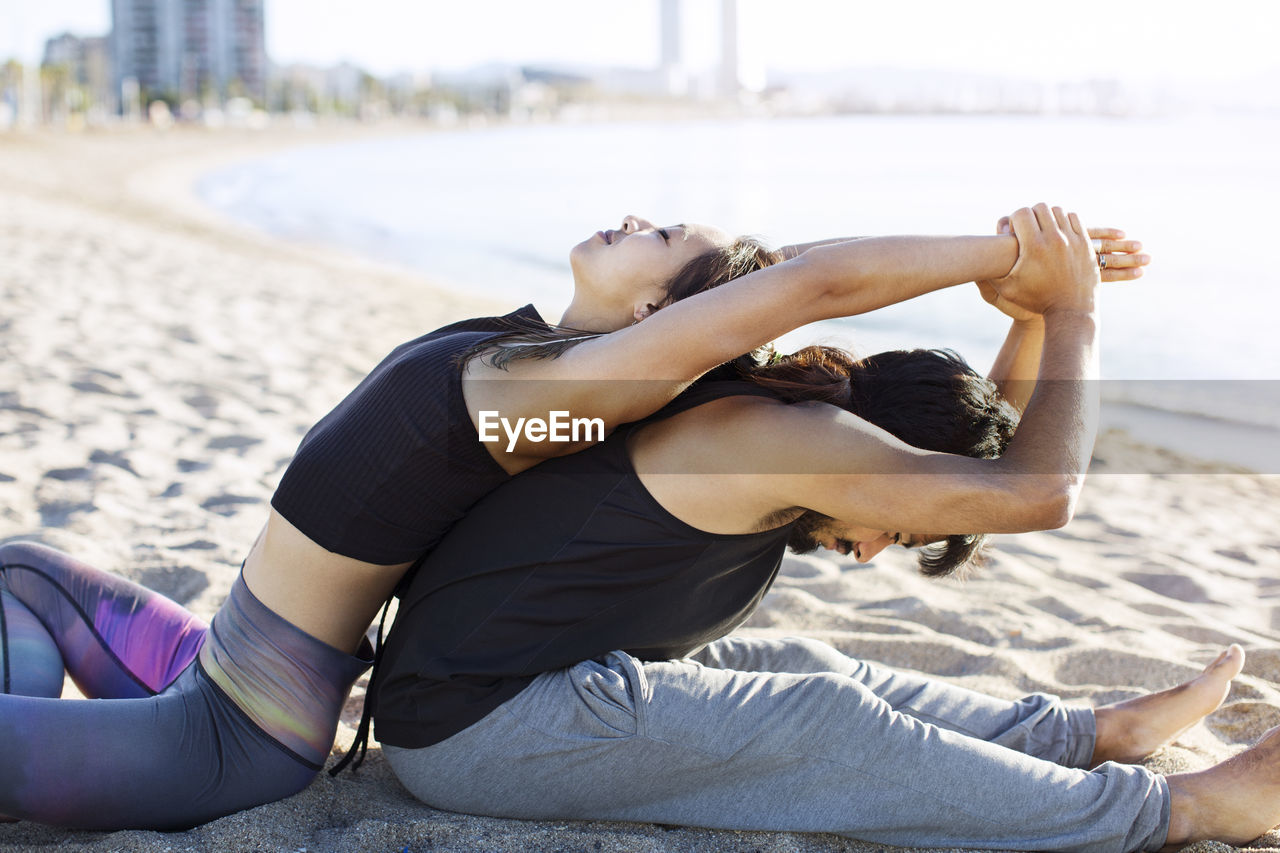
(1055, 437)
(863, 275)
(1018, 362)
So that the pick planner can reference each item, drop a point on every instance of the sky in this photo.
(1127, 39)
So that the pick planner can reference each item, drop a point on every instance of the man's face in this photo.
(813, 531)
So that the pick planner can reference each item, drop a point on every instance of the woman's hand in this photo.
(1124, 262)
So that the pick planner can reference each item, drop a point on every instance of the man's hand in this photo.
(1124, 262)
(1056, 267)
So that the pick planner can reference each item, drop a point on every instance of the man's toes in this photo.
(1228, 664)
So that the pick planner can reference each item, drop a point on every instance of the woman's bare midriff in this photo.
(331, 597)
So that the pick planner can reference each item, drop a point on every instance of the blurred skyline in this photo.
(1137, 41)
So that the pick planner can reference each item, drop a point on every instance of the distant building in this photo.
(189, 49)
(674, 75)
(83, 75)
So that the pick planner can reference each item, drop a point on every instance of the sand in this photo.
(158, 365)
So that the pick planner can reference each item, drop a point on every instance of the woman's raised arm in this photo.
(628, 374)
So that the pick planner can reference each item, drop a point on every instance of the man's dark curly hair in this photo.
(931, 399)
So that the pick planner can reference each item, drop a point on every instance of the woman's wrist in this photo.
(995, 257)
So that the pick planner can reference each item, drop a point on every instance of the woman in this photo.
(214, 722)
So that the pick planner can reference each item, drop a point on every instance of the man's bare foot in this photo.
(1131, 730)
(1234, 802)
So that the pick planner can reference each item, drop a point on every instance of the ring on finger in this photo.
(1102, 261)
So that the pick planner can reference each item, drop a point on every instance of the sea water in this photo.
(496, 210)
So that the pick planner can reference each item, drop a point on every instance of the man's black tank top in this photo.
(385, 474)
(566, 562)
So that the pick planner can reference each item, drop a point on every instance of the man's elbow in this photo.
(1053, 505)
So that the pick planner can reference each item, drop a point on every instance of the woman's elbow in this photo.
(818, 279)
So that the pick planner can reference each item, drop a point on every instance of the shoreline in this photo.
(159, 366)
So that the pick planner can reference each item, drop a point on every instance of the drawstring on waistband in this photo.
(361, 742)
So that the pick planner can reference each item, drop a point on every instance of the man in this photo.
(560, 655)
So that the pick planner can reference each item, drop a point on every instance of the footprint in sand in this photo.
(196, 545)
(205, 404)
(56, 513)
(91, 382)
(67, 475)
(1157, 610)
(1169, 585)
(180, 583)
(118, 459)
(1081, 580)
(1243, 722)
(1199, 634)
(182, 333)
(1264, 663)
(1105, 666)
(232, 442)
(228, 504)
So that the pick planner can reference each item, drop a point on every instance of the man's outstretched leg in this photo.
(1036, 725)
(1129, 731)
(676, 742)
(1234, 802)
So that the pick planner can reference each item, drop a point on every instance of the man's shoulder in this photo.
(737, 434)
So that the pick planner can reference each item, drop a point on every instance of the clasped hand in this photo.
(1058, 265)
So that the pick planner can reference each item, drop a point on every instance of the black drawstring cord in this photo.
(361, 743)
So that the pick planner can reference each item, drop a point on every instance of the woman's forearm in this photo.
(1016, 365)
(795, 250)
(863, 275)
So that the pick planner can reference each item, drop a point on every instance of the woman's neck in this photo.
(592, 316)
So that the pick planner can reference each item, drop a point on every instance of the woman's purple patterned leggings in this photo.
(188, 722)
(116, 639)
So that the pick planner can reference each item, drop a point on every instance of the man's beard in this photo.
(805, 531)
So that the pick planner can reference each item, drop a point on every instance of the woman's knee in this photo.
(25, 553)
(30, 663)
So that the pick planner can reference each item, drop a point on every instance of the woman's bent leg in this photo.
(161, 762)
(1038, 725)
(117, 639)
(30, 664)
(677, 742)
(249, 722)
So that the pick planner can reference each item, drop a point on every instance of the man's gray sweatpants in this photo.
(793, 735)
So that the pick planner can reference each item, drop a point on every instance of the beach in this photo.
(159, 363)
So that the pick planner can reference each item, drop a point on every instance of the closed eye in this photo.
(666, 238)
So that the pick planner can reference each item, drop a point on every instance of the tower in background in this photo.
(730, 80)
(675, 77)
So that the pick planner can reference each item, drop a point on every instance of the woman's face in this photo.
(635, 262)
